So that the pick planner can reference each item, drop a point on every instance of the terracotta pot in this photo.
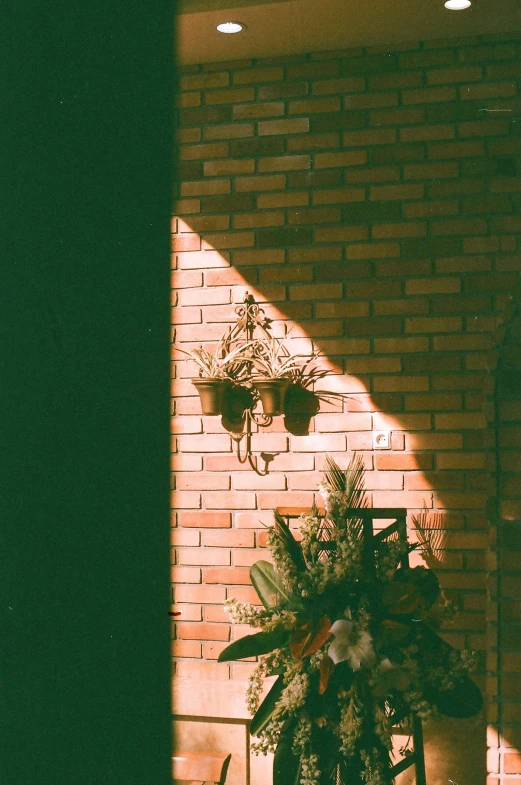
(211, 394)
(271, 393)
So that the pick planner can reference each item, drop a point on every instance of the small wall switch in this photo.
(381, 440)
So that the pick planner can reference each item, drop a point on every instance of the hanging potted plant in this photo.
(273, 369)
(217, 371)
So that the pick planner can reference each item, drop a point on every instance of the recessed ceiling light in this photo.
(457, 5)
(230, 27)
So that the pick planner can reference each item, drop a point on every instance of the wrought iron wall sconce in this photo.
(250, 366)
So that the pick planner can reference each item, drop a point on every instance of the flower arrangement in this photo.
(349, 631)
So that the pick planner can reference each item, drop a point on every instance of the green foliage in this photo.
(288, 541)
(268, 584)
(254, 645)
(286, 765)
(267, 707)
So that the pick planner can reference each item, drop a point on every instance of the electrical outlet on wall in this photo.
(381, 440)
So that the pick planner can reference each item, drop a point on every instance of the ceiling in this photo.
(282, 27)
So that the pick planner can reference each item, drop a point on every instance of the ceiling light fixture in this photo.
(230, 27)
(457, 5)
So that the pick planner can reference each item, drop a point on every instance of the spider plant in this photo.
(272, 360)
(224, 362)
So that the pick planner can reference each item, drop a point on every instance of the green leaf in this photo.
(253, 645)
(286, 765)
(267, 707)
(268, 584)
(291, 546)
(464, 700)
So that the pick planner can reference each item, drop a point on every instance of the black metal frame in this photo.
(399, 525)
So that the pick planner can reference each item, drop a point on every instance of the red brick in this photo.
(245, 481)
(209, 443)
(203, 631)
(456, 149)
(463, 264)
(433, 402)
(252, 75)
(387, 192)
(284, 90)
(237, 131)
(340, 159)
(454, 75)
(203, 594)
(201, 482)
(284, 163)
(312, 142)
(257, 110)
(430, 171)
(316, 291)
(226, 575)
(232, 538)
(203, 151)
(297, 125)
(270, 501)
(432, 286)
(373, 251)
(401, 383)
(226, 167)
(314, 105)
(402, 229)
(229, 500)
(203, 519)
(205, 81)
(186, 649)
(403, 461)
(428, 95)
(400, 345)
(230, 96)
(395, 80)
(348, 84)
(433, 324)
(185, 538)
(203, 556)
(312, 70)
(371, 100)
(427, 133)
(462, 343)
(188, 100)
(485, 91)
(460, 461)
(454, 501)
(186, 463)
(185, 575)
(369, 137)
(314, 215)
(463, 420)
(407, 499)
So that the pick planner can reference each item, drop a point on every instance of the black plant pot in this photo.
(211, 393)
(271, 393)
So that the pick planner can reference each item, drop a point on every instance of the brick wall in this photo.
(371, 198)
(504, 580)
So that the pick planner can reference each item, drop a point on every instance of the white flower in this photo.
(352, 645)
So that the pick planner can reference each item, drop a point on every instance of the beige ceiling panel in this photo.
(281, 28)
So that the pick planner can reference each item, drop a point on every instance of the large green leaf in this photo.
(291, 546)
(464, 700)
(265, 710)
(253, 645)
(286, 765)
(268, 584)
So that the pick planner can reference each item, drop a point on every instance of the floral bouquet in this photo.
(349, 631)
